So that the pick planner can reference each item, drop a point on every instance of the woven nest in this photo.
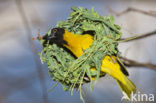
(66, 69)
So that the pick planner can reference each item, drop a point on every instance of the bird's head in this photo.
(55, 35)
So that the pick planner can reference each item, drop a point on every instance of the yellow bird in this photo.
(77, 43)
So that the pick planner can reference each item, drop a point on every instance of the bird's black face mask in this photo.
(55, 36)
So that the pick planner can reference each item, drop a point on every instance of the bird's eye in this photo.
(54, 30)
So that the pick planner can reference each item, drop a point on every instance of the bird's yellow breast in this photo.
(77, 43)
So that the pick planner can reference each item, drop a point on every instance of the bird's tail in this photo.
(127, 87)
(111, 67)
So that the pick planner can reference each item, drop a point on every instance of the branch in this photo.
(132, 63)
(150, 13)
(138, 37)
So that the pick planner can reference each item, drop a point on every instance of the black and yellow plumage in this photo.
(77, 43)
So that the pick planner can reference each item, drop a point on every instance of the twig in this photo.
(39, 37)
(150, 13)
(34, 50)
(132, 63)
(138, 37)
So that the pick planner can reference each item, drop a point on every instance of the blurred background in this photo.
(23, 79)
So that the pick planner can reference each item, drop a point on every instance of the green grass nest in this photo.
(70, 72)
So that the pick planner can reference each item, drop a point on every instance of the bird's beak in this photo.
(52, 36)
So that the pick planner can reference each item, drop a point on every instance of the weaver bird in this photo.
(77, 43)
